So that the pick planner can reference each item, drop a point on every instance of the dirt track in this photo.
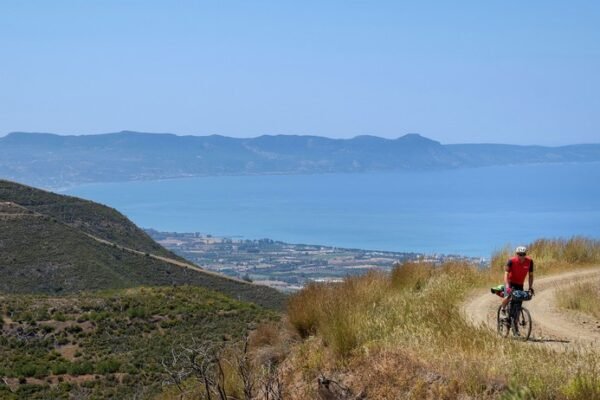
(168, 260)
(551, 326)
(171, 261)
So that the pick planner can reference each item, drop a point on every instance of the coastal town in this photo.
(286, 267)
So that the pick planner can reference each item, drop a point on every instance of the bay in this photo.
(470, 212)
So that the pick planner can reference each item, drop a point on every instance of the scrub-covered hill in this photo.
(86, 216)
(110, 344)
(54, 244)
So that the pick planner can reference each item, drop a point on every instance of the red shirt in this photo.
(517, 270)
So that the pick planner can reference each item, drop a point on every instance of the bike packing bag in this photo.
(521, 295)
(498, 290)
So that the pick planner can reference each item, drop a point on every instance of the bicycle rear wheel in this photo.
(502, 323)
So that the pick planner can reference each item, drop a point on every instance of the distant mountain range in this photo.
(51, 161)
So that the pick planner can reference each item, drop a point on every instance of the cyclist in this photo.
(516, 270)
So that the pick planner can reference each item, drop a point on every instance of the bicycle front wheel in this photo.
(523, 323)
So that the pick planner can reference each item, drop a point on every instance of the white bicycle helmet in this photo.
(521, 249)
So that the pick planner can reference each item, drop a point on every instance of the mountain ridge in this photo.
(14, 134)
(50, 160)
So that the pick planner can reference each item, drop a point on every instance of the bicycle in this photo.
(518, 318)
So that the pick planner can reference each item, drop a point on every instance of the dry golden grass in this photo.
(415, 312)
(554, 255)
(583, 297)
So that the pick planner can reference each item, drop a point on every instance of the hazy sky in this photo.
(462, 71)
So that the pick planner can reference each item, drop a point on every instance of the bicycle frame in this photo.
(514, 308)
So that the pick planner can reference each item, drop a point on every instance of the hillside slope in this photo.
(87, 216)
(46, 247)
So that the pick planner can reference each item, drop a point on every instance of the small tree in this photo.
(202, 360)
(205, 361)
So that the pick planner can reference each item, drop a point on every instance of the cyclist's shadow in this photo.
(547, 340)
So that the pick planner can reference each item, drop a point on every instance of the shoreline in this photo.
(284, 266)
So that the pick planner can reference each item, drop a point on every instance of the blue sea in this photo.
(466, 211)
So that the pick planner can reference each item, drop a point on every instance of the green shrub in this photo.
(59, 316)
(62, 341)
(137, 312)
(60, 368)
(31, 369)
(81, 368)
(99, 316)
(108, 366)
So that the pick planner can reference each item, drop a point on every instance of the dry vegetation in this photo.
(555, 255)
(246, 369)
(583, 297)
(402, 335)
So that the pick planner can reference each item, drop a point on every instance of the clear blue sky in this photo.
(464, 71)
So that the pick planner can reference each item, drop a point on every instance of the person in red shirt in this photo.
(516, 270)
